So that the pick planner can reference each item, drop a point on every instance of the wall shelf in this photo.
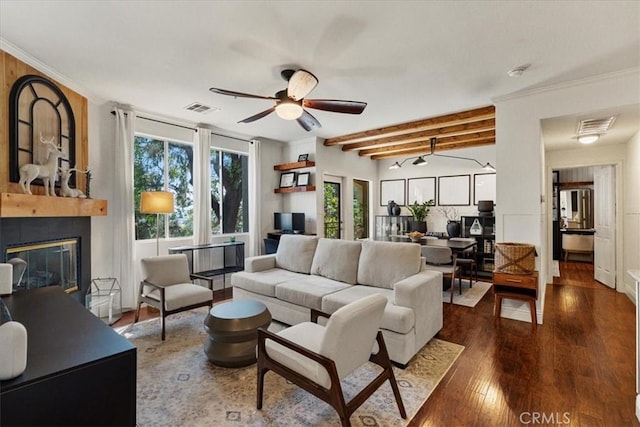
(294, 165)
(295, 189)
(15, 205)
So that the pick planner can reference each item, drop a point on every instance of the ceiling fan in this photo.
(291, 102)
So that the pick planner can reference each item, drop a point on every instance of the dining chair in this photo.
(316, 358)
(468, 261)
(166, 285)
(442, 259)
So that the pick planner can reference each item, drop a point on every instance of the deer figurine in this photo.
(48, 172)
(65, 190)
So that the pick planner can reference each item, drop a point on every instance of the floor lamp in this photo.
(156, 202)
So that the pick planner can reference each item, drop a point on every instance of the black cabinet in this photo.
(79, 371)
(482, 228)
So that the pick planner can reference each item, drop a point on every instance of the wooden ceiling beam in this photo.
(421, 151)
(482, 113)
(446, 143)
(441, 132)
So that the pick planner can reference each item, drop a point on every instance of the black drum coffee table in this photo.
(233, 332)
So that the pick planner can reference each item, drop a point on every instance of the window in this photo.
(229, 192)
(164, 165)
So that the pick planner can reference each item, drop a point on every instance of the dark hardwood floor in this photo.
(577, 369)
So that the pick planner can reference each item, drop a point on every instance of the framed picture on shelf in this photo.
(303, 157)
(454, 190)
(302, 179)
(392, 189)
(287, 179)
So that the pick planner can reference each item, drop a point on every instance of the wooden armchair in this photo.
(442, 259)
(316, 357)
(167, 286)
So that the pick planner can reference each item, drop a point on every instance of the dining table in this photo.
(455, 245)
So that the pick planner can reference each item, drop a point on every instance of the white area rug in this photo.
(470, 296)
(178, 386)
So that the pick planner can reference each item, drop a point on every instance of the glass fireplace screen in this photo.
(45, 264)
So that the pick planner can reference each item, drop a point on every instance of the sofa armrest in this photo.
(259, 263)
(422, 292)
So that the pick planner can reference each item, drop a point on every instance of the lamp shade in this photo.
(156, 202)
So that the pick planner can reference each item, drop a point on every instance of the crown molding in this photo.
(30, 60)
(566, 85)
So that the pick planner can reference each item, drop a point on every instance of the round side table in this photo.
(232, 329)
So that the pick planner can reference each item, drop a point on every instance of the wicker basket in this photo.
(515, 258)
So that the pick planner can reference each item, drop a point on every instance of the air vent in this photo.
(198, 107)
(595, 126)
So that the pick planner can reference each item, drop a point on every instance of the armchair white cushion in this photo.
(166, 285)
(317, 357)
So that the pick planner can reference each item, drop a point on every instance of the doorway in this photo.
(361, 209)
(332, 207)
(584, 225)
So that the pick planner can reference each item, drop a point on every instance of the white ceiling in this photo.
(407, 60)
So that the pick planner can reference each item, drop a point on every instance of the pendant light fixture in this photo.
(421, 161)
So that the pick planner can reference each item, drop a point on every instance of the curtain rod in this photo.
(187, 127)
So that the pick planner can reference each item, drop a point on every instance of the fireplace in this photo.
(56, 250)
(45, 264)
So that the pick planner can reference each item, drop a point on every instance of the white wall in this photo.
(632, 214)
(348, 165)
(436, 167)
(521, 213)
(101, 161)
(271, 154)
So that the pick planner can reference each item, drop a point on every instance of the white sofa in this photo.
(326, 274)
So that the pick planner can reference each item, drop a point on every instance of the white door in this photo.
(605, 220)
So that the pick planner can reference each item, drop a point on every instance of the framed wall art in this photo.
(484, 187)
(421, 189)
(454, 190)
(392, 189)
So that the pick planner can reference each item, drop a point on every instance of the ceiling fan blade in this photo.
(300, 84)
(335, 105)
(238, 94)
(258, 116)
(308, 122)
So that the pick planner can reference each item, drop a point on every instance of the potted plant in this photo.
(453, 220)
(419, 212)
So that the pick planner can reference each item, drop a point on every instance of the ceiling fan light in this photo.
(588, 139)
(489, 167)
(420, 161)
(288, 110)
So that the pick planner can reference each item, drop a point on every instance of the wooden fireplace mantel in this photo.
(14, 205)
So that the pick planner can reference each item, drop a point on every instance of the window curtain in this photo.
(202, 195)
(255, 192)
(122, 207)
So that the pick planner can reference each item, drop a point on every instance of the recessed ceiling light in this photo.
(517, 72)
(588, 139)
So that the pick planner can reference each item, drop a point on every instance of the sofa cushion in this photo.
(382, 264)
(308, 292)
(295, 252)
(337, 260)
(395, 318)
(264, 282)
